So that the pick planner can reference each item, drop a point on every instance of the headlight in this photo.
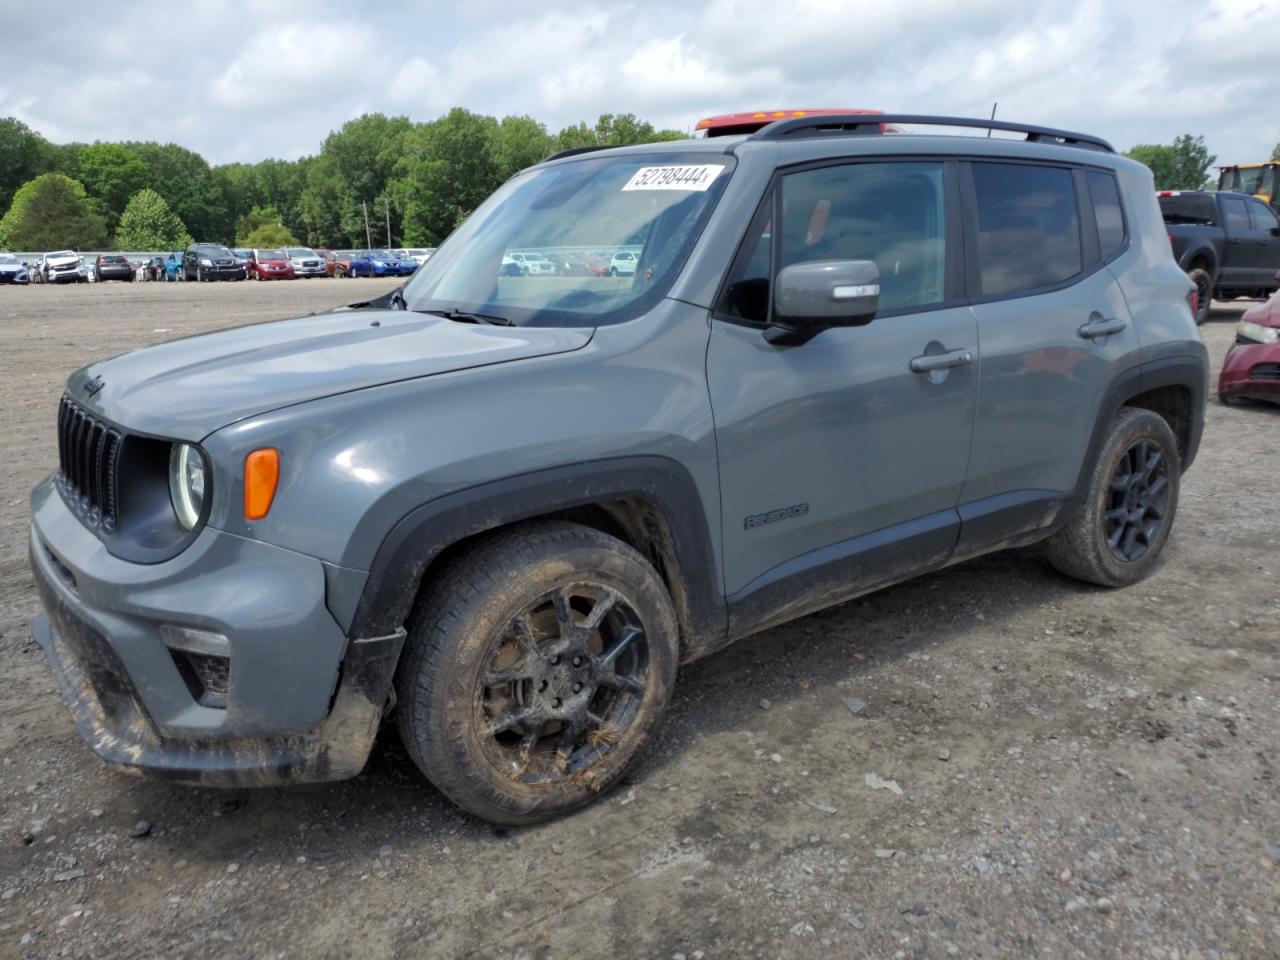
(1258, 333)
(206, 263)
(186, 483)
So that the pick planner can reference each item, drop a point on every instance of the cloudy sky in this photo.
(244, 81)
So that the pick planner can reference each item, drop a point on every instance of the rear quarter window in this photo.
(1107, 213)
(1188, 210)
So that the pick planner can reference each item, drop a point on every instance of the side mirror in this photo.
(810, 297)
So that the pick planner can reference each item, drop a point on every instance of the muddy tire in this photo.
(1116, 536)
(537, 668)
(1204, 289)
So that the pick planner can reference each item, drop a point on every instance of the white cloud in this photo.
(245, 88)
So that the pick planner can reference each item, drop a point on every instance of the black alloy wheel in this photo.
(1138, 501)
(562, 683)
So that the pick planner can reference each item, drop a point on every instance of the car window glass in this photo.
(1107, 212)
(1236, 214)
(1028, 226)
(1264, 218)
(747, 294)
(889, 213)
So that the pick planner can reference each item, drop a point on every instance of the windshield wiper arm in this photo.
(461, 316)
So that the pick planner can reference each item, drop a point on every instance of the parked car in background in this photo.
(1251, 368)
(420, 254)
(211, 261)
(242, 257)
(61, 266)
(270, 265)
(154, 268)
(583, 265)
(534, 264)
(379, 263)
(622, 264)
(173, 267)
(342, 262)
(1228, 243)
(330, 259)
(13, 270)
(112, 266)
(306, 262)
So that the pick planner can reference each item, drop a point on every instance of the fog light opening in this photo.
(203, 659)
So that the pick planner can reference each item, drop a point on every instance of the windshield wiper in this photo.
(461, 316)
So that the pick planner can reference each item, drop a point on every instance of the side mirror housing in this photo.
(810, 297)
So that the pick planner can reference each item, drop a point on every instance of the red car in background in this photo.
(269, 265)
(1251, 368)
(329, 257)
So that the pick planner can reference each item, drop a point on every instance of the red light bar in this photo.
(729, 124)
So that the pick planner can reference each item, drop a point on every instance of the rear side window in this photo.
(1107, 212)
(1188, 209)
(1028, 227)
(1236, 215)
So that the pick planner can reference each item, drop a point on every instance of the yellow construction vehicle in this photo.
(1260, 179)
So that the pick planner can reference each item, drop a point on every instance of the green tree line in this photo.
(425, 176)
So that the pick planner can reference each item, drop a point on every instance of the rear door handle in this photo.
(941, 361)
(1102, 327)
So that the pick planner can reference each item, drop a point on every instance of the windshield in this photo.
(1188, 209)
(300, 252)
(60, 253)
(378, 255)
(271, 255)
(8, 258)
(652, 207)
(213, 251)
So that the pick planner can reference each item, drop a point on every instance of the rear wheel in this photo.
(1204, 291)
(537, 667)
(1116, 536)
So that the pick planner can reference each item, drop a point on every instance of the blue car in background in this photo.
(380, 263)
(173, 267)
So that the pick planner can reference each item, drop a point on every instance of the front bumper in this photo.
(1251, 371)
(303, 701)
(15, 278)
(223, 273)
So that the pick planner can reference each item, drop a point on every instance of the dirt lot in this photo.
(1075, 772)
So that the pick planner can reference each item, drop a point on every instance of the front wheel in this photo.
(1115, 537)
(536, 669)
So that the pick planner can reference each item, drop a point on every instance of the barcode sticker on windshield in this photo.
(695, 177)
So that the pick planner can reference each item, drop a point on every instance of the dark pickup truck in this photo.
(1229, 243)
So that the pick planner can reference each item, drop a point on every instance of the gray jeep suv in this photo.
(504, 512)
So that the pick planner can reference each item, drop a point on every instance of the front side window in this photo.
(892, 214)
(1264, 218)
(1107, 212)
(1028, 227)
(1236, 215)
(651, 206)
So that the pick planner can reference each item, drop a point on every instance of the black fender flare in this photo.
(1201, 252)
(424, 533)
(1186, 370)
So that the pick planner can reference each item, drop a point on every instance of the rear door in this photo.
(836, 448)
(1053, 328)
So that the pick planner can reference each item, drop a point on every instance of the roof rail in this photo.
(858, 124)
(574, 151)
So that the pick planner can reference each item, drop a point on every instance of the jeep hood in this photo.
(186, 389)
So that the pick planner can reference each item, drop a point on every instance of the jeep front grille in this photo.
(88, 457)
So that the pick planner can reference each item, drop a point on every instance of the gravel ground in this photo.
(990, 761)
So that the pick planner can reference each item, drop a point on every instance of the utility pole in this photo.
(387, 206)
(368, 237)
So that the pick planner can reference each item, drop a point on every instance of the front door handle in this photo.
(941, 361)
(1102, 327)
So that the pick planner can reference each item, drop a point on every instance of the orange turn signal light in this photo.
(261, 474)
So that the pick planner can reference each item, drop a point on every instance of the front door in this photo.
(847, 445)
(1265, 227)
